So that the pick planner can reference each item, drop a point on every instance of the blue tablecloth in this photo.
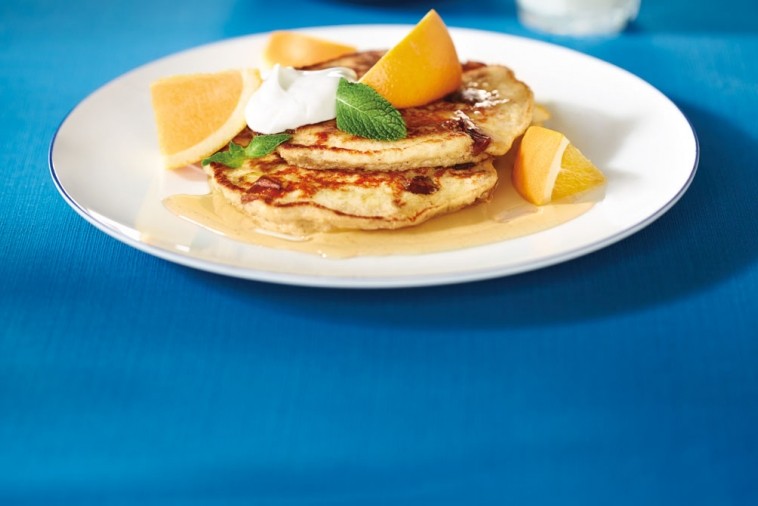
(628, 376)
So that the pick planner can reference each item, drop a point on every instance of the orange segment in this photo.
(198, 114)
(421, 68)
(293, 49)
(548, 167)
(577, 174)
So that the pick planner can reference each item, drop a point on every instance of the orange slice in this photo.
(421, 68)
(293, 49)
(198, 114)
(548, 167)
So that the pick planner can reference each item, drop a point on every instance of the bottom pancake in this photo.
(291, 200)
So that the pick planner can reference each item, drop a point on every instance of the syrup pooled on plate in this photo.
(505, 216)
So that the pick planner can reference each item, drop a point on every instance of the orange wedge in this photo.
(198, 114)
(294, 49)
(548, 167)
(421, 68)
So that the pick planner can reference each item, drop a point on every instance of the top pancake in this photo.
(481, 120)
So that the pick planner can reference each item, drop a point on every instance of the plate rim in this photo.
(361, 281)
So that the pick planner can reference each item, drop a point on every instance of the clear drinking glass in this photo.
(577, 17)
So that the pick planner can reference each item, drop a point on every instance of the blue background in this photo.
(628, 376)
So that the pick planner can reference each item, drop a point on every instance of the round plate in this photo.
(640, 139)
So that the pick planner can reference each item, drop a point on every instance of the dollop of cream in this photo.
(289, 98)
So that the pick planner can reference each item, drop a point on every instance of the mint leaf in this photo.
(363, 112)
(235, 155)
(261, 145)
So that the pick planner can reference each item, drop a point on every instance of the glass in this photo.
(577, 17)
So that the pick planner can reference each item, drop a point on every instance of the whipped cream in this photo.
(290, 98)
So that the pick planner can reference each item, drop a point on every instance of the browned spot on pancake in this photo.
(421, 185)
(266, 188)
(463, 123)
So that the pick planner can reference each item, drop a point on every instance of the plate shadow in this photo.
(708, 236)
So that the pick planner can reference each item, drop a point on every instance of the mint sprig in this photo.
(235, 156)
(363, 112)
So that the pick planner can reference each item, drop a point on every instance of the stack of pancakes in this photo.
(324, 179)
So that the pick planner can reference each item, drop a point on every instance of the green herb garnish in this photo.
(364, 112)
(235, 156)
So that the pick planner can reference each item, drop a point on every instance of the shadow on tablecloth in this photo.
(707, 237)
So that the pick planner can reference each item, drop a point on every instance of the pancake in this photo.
(326, 180)
(287, 199)
(479, 121)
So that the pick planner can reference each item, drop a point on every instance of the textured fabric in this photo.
(627, 376)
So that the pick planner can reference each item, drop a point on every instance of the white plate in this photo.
(104, 161)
